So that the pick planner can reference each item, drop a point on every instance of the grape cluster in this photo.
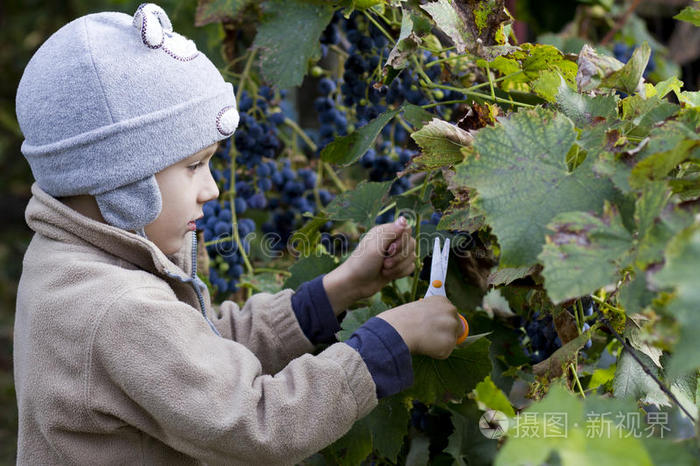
(266, 181)
(257, 140)
(540, 339)
(226, 266)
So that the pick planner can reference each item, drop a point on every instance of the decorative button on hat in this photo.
(109, 100)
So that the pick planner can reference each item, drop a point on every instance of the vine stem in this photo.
(312, 145)
(334, 176)
(234, 217)
(631, 352)
(414, 286)
(488, 74)
(300, 132)
(286, 273)
(338, 50)
(379, 26)
(246, 71)
(578, 382)
(317, 185)
(393, 204)
(442, 60)
(625, 16)
(479, 94)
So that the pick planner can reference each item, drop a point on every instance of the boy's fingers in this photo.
(388, 233)
(402, 269)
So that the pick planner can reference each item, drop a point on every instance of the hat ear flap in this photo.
(133, 206)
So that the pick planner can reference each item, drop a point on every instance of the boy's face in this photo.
(184, 188)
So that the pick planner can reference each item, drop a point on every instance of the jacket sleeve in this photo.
(267, 326)
(165, 373)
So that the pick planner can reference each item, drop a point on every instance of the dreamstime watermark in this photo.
(494, 424)
(272, 245)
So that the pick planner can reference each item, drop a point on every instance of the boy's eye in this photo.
(195, 166)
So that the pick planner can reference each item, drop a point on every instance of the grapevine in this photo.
(574, 176)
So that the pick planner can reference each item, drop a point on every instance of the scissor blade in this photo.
(445, 257)
(436, 263)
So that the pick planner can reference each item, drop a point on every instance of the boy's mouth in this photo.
(192, 225)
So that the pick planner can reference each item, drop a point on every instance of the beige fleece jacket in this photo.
(114, 363)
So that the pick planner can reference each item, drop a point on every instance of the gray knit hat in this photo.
(109, 100)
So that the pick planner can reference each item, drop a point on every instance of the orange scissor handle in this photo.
(464, 334)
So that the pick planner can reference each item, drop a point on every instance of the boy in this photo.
(118, 355)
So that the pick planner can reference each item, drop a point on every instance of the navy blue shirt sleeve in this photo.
(314, 312)
(386, 355)
(381, 347)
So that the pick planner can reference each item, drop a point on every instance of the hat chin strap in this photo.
(133, 206)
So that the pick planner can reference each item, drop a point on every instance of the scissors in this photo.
(438, 272)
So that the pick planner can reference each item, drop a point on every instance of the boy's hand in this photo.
(385, 253)
(429, 326)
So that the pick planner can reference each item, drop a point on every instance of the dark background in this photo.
(25, 25)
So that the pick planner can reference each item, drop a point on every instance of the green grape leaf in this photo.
(658, 165)
(691, 99)
(308, 268)
(601, 377)
(455, 376)
(508, 275)
(461, 219)
(306, 238)
(541, 58)
(412, 28)
(288, 38)
(580, 433)
(217, 11)
(583, 109)
(689, 14)
(477, 27)
(387, 423)
(669, 223)
(670, 452)
(416, 115)
(649, 206)
(617, 169)
(360, 205)
(355, 318)
(546, 85)
(520, 172)
(467, 445)
(629, 78)
(382, 430)
(267, 282)
(492, 397)
(347, 149)
(352, 448)
(644, 114)
(664, 87)
(681, 273)
(635, 296)
(584, 253)
(442, 143)
(632, 382)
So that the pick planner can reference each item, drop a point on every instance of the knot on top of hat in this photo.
(156, 32)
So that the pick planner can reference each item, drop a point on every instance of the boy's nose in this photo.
(210, 190)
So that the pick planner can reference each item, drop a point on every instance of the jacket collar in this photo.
(48, 216)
